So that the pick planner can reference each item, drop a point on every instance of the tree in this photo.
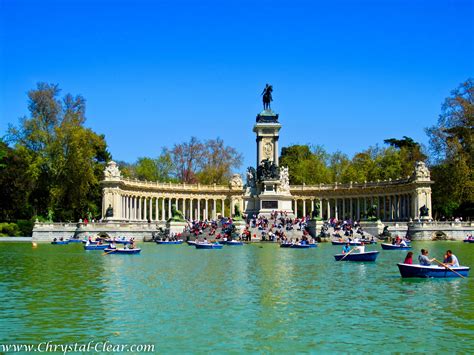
(452, 146)
(306, 164)
(65, 159)
(410, 153)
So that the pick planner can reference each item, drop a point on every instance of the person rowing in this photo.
(346, 248)
(451, 259)
(423, 258)
(360, 248)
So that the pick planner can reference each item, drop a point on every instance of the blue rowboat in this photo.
(122, 251)
(62, 242)
(169, 242)
(411, 270)
(208, 246)
(286, 245)
(96, 247)
(335, 242)
(234, 242)
(191, 242)
(74, 240)
(302, 246)
(367, 256)
(386, 246)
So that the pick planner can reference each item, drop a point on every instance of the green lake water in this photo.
(255, 298)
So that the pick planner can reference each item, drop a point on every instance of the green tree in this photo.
(306, 164)
(65, 159)
(452, 146)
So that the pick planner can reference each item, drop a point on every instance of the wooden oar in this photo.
(109, 252)
(447, 267)
(350, 251)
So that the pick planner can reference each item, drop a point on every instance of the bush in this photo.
(25, 226)
(9, 229)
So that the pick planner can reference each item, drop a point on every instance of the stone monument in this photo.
(268, 187)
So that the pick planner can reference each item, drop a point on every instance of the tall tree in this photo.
(452, 146)
(66, 159)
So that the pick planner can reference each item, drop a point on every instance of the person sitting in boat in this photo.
(423, 258)
(360, 248)
(61, 239)
(409, 258)
(403, 243)
(346, 248)
(112, 244)
(451, 259)
(55, 239)
(372, 240)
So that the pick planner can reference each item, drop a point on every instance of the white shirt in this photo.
(454, 260)
(361, 248)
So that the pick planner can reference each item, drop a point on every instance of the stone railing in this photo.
(351, 185)
(174, 186)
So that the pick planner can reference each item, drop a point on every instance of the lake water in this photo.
(255, 298)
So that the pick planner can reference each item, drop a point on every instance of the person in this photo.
(423, 258)
(346, 248)
(361, 248)
(403, 243)
(409, 258)
(451, 259)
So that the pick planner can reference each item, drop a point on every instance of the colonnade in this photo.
(390, 207)
(158, 208)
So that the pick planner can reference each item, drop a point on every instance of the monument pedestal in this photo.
(374, 228)
(314, 229)
(176, 227)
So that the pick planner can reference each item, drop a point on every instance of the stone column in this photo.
(156, 208)
(304, 207)
(336, 214)
(144, 209)
(343, 208)
(170, 200)
(223, 207)
(207, 209)
(163, 209)
(328, 207)
(312, 206)
(214, 208)
(198, 216)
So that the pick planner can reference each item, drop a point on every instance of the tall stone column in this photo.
(198, 216)
(207, 209)
(214, 208)
(304, 208)
(163, 209)
(328, 208)
(336, 214)
(144, 209)
(170, 201)
(223, 207)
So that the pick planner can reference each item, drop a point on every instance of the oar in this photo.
(447, 267)
(350, 251)
(109, 252)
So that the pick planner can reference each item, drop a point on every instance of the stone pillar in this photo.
(214, 208)
(144, 209)
(312, 206)
(223, 207)
(343, 208)
(207, 209)
(170, 200)
(336, 214)
(304, 208)
(163, 209)
(198, 216)
(328, 207)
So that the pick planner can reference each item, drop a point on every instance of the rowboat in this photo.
(367, 256)
(74, 240)
(387, 246)
(286, 245)
(62, 242)
(96, 247)
(336, 242)
(208, 246)
(122, 251)
(234, 242)
(411, 270)
(191, 242)
(169, 242)
(302, 246)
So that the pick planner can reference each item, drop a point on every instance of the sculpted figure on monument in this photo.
(112, 171)
(267, 96)
(267, 170)
(424, 211)
(421, 171)
(284, 179)
(109, 212)
(236, 182)
(251, 177)
(176, 215)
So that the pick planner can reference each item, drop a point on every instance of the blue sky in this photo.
(346, 74)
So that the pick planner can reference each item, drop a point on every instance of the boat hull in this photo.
(75, 241)
(420, 271)
(122, 251)
(208, 246)
(367, 256)
(63, 242)
(191, 243)
(234, 243)
(170, 242)
(386, 246)
(95, 247)
(334, 242)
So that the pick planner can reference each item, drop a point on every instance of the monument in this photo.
(268, 187)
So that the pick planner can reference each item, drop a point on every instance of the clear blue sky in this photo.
(346, 74)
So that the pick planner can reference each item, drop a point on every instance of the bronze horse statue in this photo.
(267, 96)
